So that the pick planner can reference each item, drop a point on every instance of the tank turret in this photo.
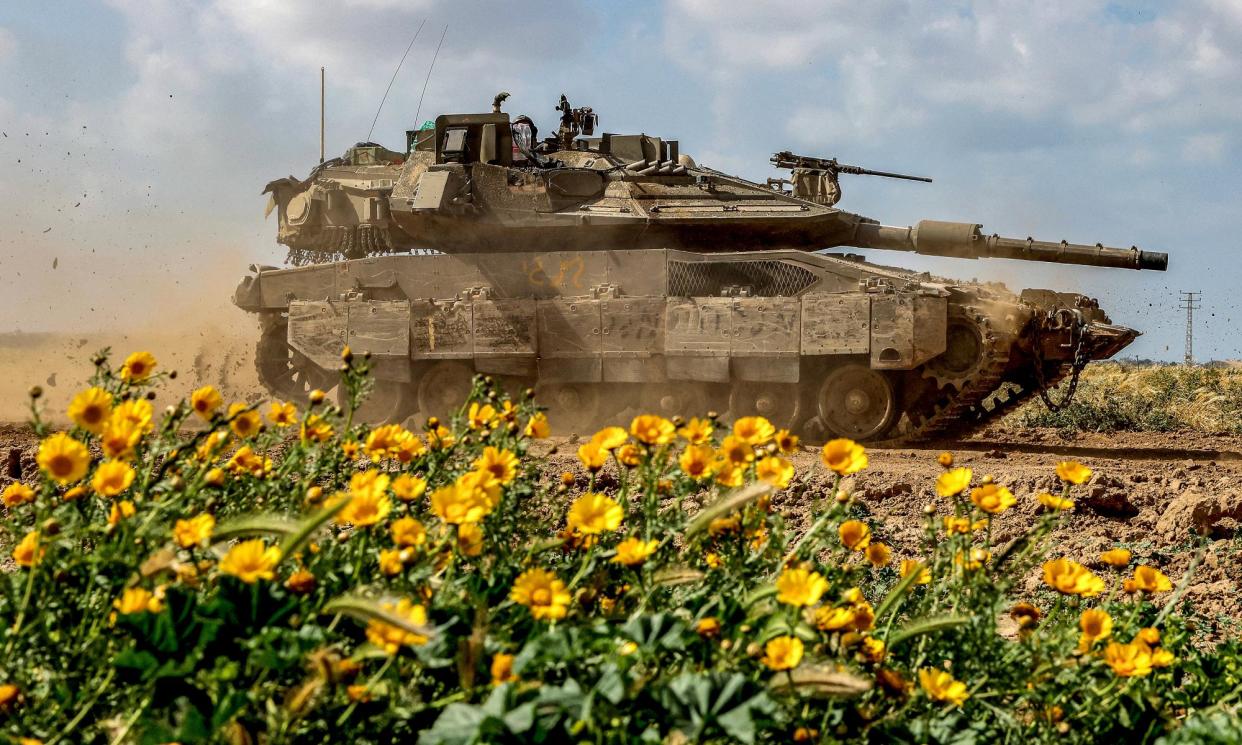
(613, 272)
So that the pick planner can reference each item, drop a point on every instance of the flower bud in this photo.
(316, 397)
(36, 391)
(51, 526)
(172, 375)
(347, 355)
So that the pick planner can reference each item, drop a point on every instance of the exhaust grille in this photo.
(765, 278)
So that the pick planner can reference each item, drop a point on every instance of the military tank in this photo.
(613, 272)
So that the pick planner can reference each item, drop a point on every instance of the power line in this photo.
(1190, 302)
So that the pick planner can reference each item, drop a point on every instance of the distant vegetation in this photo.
(1129, 396)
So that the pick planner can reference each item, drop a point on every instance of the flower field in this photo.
(224, 572)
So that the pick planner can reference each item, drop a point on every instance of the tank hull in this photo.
(824, 344)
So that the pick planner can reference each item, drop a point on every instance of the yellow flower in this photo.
(1096, 624)
(408, 488)
(595, 513)
(122, 510)
(782, 653)
(1118, 557)
(245, 460)
(137, 367)
(282, 414)
(1148, 579)
(391, 638)
(112, 477)
(593, 456)
(195, 531)
(712, 559)
(135, 411)
(992, 498)
(962, 525)
(243, 421)
(800, 587)
(828, 618)
(855, 535)
(650, 429)
(538, 426)
(1128, 660)
(367, 505)
(697, 431)
(696, 461)
(1026, 614)
(502, 669)
(480, 486)
(75, 493)
(251, 561)
(736, 452)
(204, 401)
(974, 559)
(16, 494)
(500, 464)
(634, 551)
(879, 554)
(120, 437)
(629, 454)
(470, 539)
(912, 565)
(407, 532)
(786, 441)
(1149, 635)
(90, 409)
(9, 694)
(728, 474)
(1054, 503)
(390, 561)
(954, 482)
(844, 456)
(945, 459)
(707, 627)
(941, 686)
(610, 438)
(315, 428)
(408, 447)
(1070, 577)
(872, 649)
(29, 550)
(775, 470)
(1161, 657)
(369, 483)
(300, 582)
(1073, 472)
(137, 600)
(541, 592)
(63, 458)
(212, 442)
(455, 507)
(440, 437)
(481, 417)
(349, 449)
(381, 442)
(754, 430)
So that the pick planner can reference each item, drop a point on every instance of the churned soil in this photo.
(1161, 495)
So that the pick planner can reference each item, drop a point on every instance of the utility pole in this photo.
(1190, 302)
(321, 95)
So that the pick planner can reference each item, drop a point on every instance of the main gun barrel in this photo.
(967, 241)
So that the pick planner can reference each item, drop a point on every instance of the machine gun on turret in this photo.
(815, 179)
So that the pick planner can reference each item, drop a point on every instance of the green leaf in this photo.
(254, 525)
(734, 500)
(926, 626)
(367, 610)
(892, 601)
(294, 542)
(819, 682)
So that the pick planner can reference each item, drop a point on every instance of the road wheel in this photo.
(389, 402)
(675, 399)
(284, 372)
(777, 402)
(443, 387)
(857, 402)
(571, 406)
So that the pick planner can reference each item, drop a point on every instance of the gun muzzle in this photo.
(966, 241)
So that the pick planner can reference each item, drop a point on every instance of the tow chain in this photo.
(1080, 362)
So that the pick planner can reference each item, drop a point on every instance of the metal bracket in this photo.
(605, 291)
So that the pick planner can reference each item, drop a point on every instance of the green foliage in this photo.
(319, 581)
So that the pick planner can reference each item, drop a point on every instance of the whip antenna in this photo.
(394, 78)
(426, 80)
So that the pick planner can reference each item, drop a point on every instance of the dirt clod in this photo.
(1195, 512)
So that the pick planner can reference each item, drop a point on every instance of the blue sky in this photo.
(145, 129)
